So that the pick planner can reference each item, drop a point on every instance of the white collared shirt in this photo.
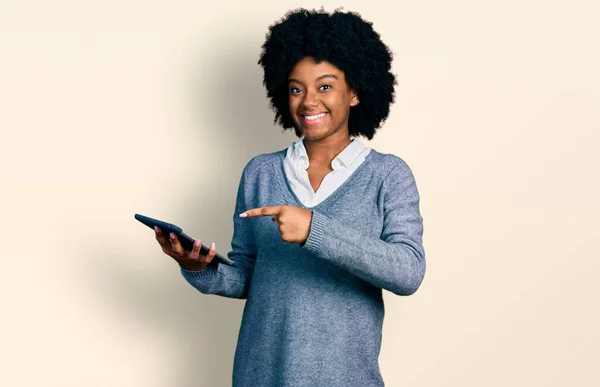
(344, 164)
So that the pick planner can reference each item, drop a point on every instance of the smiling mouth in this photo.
(312, 119)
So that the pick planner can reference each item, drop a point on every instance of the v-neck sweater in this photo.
(296, 166)
(314, 311)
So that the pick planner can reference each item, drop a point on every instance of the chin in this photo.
(314, 132)
(311, 135)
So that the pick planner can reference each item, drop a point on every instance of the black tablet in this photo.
(186, 241)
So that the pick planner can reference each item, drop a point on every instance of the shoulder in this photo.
(261, 161)
(390, 166)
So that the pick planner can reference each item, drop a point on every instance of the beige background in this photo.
(108, 108)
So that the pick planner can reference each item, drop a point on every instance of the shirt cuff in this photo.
(208, 271)
(317, 232)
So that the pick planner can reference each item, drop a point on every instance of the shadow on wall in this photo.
(202, 328)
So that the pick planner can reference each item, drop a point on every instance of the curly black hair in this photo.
(342, 39)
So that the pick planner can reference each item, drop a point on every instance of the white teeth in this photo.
(310, 118)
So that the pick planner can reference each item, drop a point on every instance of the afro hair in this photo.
(346, 41)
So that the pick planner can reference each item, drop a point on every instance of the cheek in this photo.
(293, 108)
(293, 104)
(336, 100)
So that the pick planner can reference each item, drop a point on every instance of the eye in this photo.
(295, 90)
(327, 87)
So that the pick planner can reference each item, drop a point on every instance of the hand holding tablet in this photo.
(190, 253)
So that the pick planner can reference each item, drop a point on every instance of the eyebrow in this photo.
(318, 79)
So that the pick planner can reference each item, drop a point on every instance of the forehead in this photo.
(309, 70)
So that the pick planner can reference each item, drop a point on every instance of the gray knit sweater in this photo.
(314, 311)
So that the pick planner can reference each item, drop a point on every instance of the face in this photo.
(319, 99)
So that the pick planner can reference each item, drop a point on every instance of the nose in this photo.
(310, 100)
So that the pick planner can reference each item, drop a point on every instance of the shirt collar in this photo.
(344, 158)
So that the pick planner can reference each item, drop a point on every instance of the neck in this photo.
(322, 152)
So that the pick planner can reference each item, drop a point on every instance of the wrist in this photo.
(193, 266)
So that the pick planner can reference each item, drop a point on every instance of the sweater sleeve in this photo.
(222, 279)
(396, 260)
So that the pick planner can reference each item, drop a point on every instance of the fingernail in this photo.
(172, 236)
(197, 242)
(212, 246)
(156, 229)
(243, 215)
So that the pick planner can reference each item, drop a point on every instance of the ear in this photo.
(353, 98)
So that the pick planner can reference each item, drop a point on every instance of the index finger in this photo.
(261, 211)
(160, 236)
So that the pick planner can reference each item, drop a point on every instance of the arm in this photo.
(225, 280)
(396, 262)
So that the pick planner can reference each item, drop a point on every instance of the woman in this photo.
(320, 228)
